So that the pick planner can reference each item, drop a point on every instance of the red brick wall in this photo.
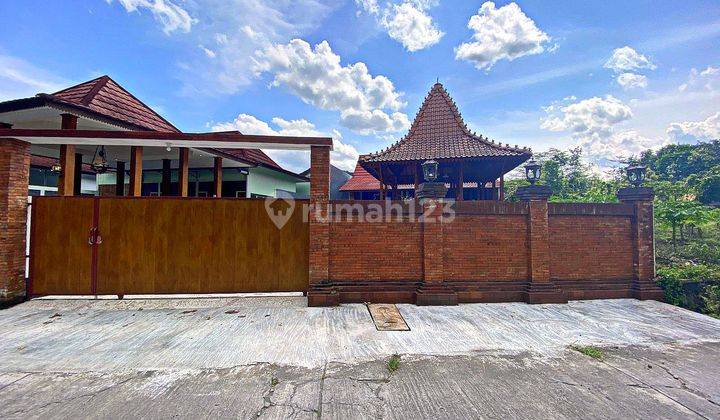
(487, 243)
(14, 170)
(375, 251)
(486, 247)
(590, 247)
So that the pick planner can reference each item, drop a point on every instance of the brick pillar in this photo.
(643, 286)
(433, 290)
(14, 173)
(321, 292)
(540, 289)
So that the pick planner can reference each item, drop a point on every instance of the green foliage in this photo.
(711, 297)
(683, 283)
(592, 351)
(677, 162)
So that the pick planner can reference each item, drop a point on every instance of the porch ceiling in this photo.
(222, 140)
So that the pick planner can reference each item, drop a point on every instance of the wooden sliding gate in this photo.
(91, 245)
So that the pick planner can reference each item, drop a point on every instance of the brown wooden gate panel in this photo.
(181, 245)
(60, 256)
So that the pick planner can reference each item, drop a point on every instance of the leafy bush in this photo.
(684, 284)
(711, 298)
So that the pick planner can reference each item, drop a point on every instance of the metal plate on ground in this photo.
(387, 317)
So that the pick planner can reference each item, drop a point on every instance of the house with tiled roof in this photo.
(103, 104)
(471, 165)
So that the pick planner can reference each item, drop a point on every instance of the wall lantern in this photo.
(430, 170)
(56, 168)
(532, 171)
(99, 163)
(636, 174)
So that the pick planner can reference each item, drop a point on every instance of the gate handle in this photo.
(91, 238)
(98, 238)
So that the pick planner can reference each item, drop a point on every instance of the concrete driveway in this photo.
(276, 358)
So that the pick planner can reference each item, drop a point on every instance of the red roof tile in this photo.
(361, 180)
(439, 132)
(254, 156)
(106, 97)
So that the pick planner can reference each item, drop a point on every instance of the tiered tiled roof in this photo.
(439, 132)
(104, 96)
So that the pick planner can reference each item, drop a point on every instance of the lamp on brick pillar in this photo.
(430, 188)
(433, 290)
(643, 286)
(321, 291)
(14, 173)
(540, 288)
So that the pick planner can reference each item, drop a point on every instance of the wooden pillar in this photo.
(502, 188)
(495, 193)
(77, 176)
(66, 182)
(217, 177)
(183, 171)
(166, 184)
(120, 179)
(461, 180)
(14, 173)
(136, 153)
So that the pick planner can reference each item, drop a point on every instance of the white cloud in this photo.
(210, 53)
(316, 76)
(20, 79)
(370, 6)
(344, 156)
(234, 30)
(412, 27)
(620, 146)
(694, 131)
(627, 59)
(708, 79)
(406, 22)
(171, 16)
(504, 33)
(632, 81)
(593, 117)
(592, 122)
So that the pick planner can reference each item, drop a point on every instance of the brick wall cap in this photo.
(630, 194)
(533, 192)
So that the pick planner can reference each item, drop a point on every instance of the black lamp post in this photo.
(636, 175)
(430, 170)
(533, 171)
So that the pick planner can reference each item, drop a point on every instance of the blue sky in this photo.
(612, 77)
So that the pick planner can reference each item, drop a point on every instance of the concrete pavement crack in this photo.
(649, 386)
(685, 387)
(91, 395)
(320, 393)
(15, 381)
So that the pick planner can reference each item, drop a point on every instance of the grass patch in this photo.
(274, 381)
(394, 363)
(592, 351)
